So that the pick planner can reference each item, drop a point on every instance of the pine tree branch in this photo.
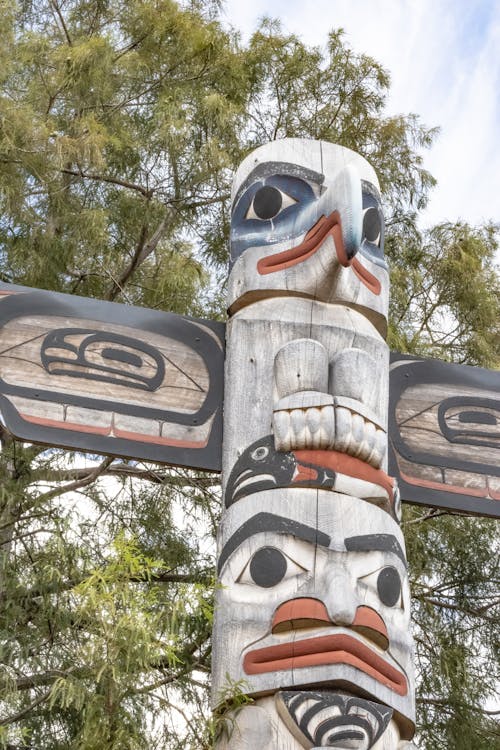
(20, 714)
(155, 476)
(106, 178)
(143, 250)
(60, 16)
(89, 478)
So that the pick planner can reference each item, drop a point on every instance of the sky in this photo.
(444, 62)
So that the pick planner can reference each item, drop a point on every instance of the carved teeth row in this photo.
(330, 428)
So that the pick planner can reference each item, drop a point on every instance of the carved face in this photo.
(309, 598)
(307, 219)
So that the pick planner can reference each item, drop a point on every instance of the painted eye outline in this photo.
(296, 192)
(376, 580)
(286, 202)
(292, 569)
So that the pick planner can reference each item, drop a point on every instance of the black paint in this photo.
(375, 542)
(389, 586)
(58, 354)
(411, 371)
(261, 467)
(474, 417)
(268, 567)
(341, 715)
(275, 524)
(267, 202)
(487, 438)
(206, 338)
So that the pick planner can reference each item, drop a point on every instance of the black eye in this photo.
(389, 586)
(260, 453)
(268, 567)
(372, 225)
(268, 202)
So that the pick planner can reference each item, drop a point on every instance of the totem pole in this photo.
(313, 604)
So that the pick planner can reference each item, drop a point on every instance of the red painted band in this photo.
(367, 278)
(442, 486)
(345, 464)
(324, 650)
(113, 432)
(310, 244)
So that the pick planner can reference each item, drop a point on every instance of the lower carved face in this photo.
(309, 599)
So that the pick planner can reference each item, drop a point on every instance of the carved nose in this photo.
(308, 613)
(300, 613)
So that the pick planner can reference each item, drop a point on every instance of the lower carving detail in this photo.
(303, 719)
(332, 719)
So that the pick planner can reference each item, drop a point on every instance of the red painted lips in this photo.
(324, 650)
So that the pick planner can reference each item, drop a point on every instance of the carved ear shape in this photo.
(348, 201)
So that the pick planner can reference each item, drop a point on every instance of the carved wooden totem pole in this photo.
(313, 607)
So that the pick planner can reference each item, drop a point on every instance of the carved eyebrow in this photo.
(267, 168)
(375, 542)
(277, 524)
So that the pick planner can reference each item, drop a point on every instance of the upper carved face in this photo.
(314, 596)
(307, 220)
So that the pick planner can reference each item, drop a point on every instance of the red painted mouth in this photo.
(324, 650)
(344, 464)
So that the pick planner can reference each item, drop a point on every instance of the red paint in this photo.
(351, 467)
(159, 440)
(306, 612)
(324, 227)
(442, 486)
(311, 243)
(304, 473)
(325, 650)
(114, 432)
(367, 278)
(368, 621)
(305, 609)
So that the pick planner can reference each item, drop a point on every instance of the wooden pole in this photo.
(312, 646)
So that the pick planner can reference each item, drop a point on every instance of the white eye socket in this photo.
(268, 202)
(269, 566)
(386, 582)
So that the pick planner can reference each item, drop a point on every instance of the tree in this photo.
(120, 124)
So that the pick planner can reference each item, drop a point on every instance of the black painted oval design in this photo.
(105, 356)
(268, 567)
(389, 586)
(267, 202)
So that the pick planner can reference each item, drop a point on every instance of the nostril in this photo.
(300, 613)
(369, 623)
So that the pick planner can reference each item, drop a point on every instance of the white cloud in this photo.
(445, 66)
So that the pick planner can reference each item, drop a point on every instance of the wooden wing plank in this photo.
(444, 434)
(108, 378)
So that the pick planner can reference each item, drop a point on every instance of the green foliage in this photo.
(120, 125)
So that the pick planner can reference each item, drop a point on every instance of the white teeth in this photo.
(298, 424)
(376, 457)
(327, 430)
(330, 428)
(358, 433)
(314, 420)
(367, 442)
(342, 429)
(281, 424)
